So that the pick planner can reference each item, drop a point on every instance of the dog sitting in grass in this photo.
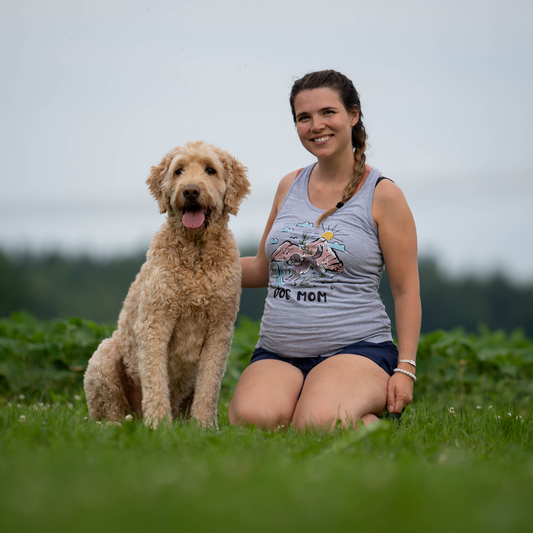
(169, 353)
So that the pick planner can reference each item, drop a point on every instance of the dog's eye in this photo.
(179, 171)
(210, 170)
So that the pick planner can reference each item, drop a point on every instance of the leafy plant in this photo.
(487, 365)
(44, 359)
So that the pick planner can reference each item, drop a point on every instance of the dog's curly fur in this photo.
(175, 328)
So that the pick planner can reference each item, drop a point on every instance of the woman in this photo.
(325, 350)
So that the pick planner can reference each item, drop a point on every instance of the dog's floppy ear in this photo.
(155, 183)
(238, 185)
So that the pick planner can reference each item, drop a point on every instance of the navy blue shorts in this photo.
(384, 354)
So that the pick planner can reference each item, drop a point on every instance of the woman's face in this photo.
(323, 123)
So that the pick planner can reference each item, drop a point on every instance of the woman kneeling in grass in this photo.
(325, 350)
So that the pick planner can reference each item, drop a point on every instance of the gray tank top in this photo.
(323, 286)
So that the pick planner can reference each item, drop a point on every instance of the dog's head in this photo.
(198, 182)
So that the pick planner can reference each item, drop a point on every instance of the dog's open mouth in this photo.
(194, 216)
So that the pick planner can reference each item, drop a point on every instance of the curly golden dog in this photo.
(169, 353)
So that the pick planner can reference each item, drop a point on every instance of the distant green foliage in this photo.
(244, 341)
(59, 286)
(487, 365)
(467, 301)
(47, 359)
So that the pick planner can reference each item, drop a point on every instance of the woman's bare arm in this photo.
(255, 270)
(397, 239)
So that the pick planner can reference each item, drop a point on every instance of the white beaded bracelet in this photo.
(406, 373)
(410, 361)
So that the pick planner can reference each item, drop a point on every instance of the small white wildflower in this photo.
(22, 418)
(478, 406)
(499, 418)
(19, 406)
(490, 407)
(509, 414)
(452, 410)
(77, 397)
(519, 416)
(128, 418)
(70, 405)
(41, 405)
(21, 396)
(86, 418)
(98, 422)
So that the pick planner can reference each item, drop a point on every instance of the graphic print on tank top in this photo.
(308, 260)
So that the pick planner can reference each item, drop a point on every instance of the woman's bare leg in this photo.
(344, 387)
(266, 394)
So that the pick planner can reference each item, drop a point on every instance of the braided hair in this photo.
(350, 99)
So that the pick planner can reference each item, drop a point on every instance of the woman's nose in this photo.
(317, 124)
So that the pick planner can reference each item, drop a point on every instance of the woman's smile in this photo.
(322, 140)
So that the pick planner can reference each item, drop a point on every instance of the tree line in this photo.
(59, 286)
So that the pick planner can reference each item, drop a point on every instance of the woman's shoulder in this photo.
(389, 202)
(284, 186)
(387, 191)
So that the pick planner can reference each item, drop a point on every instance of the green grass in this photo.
(434, 472)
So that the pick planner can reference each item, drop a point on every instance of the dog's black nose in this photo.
(191, 192)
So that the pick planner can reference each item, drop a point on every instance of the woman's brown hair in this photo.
(350, 99)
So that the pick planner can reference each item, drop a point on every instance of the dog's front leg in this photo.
(153, 336)
(210, 372)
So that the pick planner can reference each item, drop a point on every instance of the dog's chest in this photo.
(186, 343)
(204, 286)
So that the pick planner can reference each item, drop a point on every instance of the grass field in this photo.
(468, 469)
(434, 472)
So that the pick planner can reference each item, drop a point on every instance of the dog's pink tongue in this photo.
(193, 217)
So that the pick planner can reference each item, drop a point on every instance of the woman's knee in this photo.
(266, 395)
(317, 418)
(261, 416)
(328, 421)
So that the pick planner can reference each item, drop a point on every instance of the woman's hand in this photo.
(399, 392)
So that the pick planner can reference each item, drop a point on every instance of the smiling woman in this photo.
(331, 231)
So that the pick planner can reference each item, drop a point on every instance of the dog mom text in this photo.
(309, 296)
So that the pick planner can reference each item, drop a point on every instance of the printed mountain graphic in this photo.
(317, 255)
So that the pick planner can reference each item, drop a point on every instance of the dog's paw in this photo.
(155, 421)
(207, 424)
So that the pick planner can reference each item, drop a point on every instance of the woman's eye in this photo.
(210, 170)
(179, 172)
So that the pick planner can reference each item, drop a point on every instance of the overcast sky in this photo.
(95, 93)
